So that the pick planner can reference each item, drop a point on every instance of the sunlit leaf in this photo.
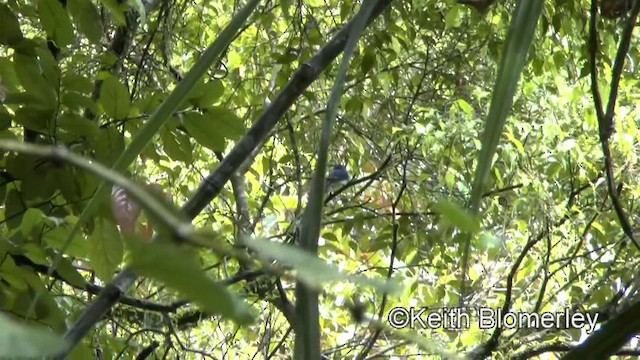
(311, 270)
(178, 268)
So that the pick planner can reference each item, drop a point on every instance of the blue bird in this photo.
(337, 177)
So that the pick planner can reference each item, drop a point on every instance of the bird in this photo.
(337, 177)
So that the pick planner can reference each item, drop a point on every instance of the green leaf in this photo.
(457, 215)
(452, 19)
(206, 132)
(78, 126)
(227, 123)
(114, 97)
(67, 182)
(31, 219)
(8, 74)
(176, 145)
(34, 119)
(35, 253)
(29, 73)
(55, 21)
(109, 146)
(87, 19)
(368, 61)
(70, 274)
(77, 83)
(49, 66)
(287, 58)
(117, 10)
(21, 341)
(310, 269)
(77, 101)
(79, 247)
(107, 249)
(285, 5)
(466, 107)
(38, 187)
(9, 27)
(178, 269)
(211, 92)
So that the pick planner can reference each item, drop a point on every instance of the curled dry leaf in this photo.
(125, 210)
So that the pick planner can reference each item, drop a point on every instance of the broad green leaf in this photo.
(67, 182)
(77, 101)
(49, 67)
(226, 121)
(8, 74)
(55, 21)
(452, 19)
(195, 93)
(114, 97)
(13, 209)
(310, 269)
(70, 274)
(205, 131)
(11, 277)
(32, 218)
(354, 104)
(34, 119)
(109, 146)
(368, 61)
(178, 269)
(150, 103)
(9, 27)
(107, 249)
(457, 215)
(79, 247)
(211, 92)
(83, 351)
(20, 165)
(78, 83)
(35, 253)
(78, 126)
(29, 73)
(87, 19)
(176, 145)
(285, 5)
(21, 341)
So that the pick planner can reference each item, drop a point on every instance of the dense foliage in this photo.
(116, 84)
